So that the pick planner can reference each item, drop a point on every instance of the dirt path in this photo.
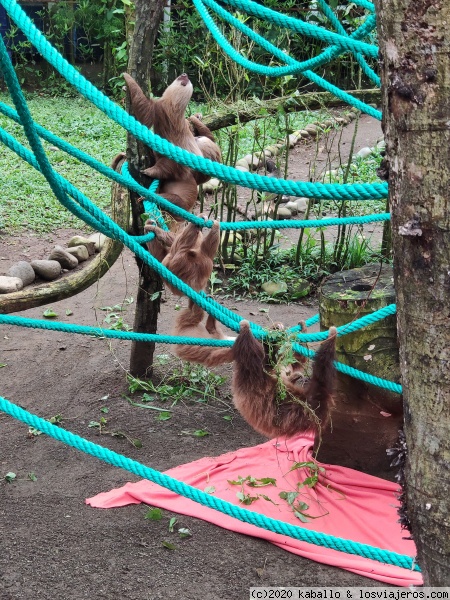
(52, 545)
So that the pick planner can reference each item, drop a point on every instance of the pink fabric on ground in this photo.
(349, 504)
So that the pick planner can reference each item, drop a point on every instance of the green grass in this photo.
(26, 201)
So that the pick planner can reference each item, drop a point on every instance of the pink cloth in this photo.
(348, 503)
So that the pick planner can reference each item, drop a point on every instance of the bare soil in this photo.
(53, 546)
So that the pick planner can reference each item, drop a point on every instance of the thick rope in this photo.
(223, 172)
(188, 491)
(294, 66)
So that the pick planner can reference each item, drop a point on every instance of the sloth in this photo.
(188, 254)
(190, 323)
(281, 404)
(167, 117)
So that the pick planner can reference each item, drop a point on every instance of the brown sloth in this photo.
(281, 406)
(190, 323)
(188, 254)
(167, 117)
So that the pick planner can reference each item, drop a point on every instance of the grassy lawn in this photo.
(26, 201)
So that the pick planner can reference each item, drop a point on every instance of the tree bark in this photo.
(147, 17)
(414, 40)
(250, 110)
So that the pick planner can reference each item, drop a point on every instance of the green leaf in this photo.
(200, 433)
(184, 532)
(268, 499)
(168, 545)
(288, 496)
(49, 313)
(136, 442)
(94, 424)
(104, 409)
(163, 416)
(9, 477)
(227, 418)
(3, 365)
(32, 477)
(299, 515)
(210, 489)
(154, 514)
(262, 482)
(69, 312)
(138, 405)
(246, 498)
(155, 296)
(172, 522)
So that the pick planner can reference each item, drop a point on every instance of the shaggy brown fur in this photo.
(189, 255)
(190, 323)
(167, 117)
(256, 386)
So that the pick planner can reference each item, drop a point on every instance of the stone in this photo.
(274, 150)
(79, 240)
(242, 162)
(252, 160)
(274, 288)
(66, 260)
(10, 284)
(99, 240)
(292, 206)
(231, 237)
(24, 271)
(299, 289)
(381, 145)
(46, 269)
(304, 133)
(341, 120)
(292, 140)
(302, 204)
(243, 169)
(312, 130)
(366, 151)
(283, 213)
(80, 253)
(211, 186)
(328, 123)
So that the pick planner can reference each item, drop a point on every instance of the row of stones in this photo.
(363, 153)
(257, 160)
(24, 273)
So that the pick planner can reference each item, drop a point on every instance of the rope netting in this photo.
(81, 206)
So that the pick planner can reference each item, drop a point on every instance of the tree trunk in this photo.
(414, 40)
(147, 17)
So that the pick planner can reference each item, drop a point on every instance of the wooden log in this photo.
(242, 112)
(365, 419)
(87, 273)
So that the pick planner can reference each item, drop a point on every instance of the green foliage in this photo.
(26, 201)
(186, 381)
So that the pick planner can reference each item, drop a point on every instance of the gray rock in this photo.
(312, 130)
(46, 269)
(302, 204)
(283, 213)
(293, 138)
(292, 206)
(381, 145)
(10, 284)
(211, 186)
(242, 162)
(80, 253)
(65, 259)
(99, 239)
(274, 288)
(366, 151)
(304, 133)
(78, 240)
(23, 271)
(299, 289)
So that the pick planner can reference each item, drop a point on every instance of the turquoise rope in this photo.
(278, 71)
(267, 14)
(188, 491)
(356, 325)
(223, 172)
(143, 337)
(127, 181)
(367, 70)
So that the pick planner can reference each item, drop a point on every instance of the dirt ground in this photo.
(53, 546)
